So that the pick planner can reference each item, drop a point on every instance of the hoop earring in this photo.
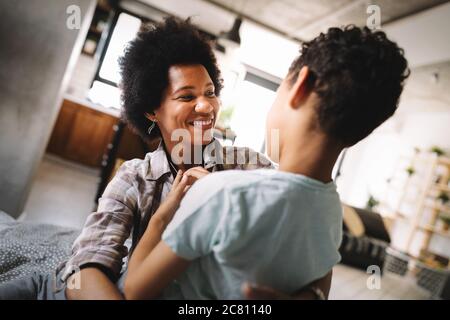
(152, 126)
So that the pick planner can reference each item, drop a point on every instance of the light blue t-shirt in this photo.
(268, 227)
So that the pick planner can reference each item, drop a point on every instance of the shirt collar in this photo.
(159, 165)
(213, 154)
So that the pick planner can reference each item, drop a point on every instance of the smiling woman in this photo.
(170, 83)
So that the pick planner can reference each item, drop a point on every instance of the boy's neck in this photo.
(313, 156)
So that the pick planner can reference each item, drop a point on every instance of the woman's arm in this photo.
(99, 250)
(94, 285)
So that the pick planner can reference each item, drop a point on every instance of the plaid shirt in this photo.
(131, 198)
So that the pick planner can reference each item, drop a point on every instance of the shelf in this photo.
(429, 181)
(438, 187)
(95, 31)
(439, 208)
(431, 229)
(395, 216)
(444, 160)
(402, 216)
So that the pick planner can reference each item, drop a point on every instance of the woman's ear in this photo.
(299, 89)
(150, 116)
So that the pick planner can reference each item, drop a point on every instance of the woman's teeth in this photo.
(201, 123)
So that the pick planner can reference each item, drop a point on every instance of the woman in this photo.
(170, 85)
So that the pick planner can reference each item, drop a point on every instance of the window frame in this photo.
(111, 27)
(105, 44)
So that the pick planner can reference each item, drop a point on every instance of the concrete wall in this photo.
(37, 52)
(82, 75)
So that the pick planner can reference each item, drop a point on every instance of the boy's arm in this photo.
(159, 221)
(153, 264)
(157, 270)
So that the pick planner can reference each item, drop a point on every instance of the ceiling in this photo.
(305, 19)
(295, 19)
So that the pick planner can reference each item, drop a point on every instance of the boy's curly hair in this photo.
(358, 74)
(145, 64)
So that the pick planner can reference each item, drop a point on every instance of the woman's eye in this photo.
(210, 94)
(186, 97)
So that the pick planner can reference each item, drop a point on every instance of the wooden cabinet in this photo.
(81, 134)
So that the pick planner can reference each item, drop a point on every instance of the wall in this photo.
(82, 76)
(424, 36)
(422, 121)
(427, 129)
(36, 54)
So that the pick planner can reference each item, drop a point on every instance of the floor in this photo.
(63, 194)
(352, 284)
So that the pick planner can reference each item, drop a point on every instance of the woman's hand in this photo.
(170, 205)
(257, 292)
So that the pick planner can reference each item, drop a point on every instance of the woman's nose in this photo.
(203, 106)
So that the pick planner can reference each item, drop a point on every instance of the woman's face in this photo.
(189, 102)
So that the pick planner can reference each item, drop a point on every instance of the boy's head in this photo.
(344, 84)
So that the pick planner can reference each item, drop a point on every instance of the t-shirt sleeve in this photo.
(197, 226)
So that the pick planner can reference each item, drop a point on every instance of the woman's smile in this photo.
(203, 123)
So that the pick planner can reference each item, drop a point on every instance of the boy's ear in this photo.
(150, 116)
(299, 89)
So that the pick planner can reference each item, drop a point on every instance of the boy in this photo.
(281, 228)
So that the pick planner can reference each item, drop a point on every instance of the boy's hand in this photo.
(195, 173)
(168, 208)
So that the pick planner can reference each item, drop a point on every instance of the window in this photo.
(104, 89)
(254, 97)
(266, 57)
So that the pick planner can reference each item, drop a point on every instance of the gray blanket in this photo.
(29, 247)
